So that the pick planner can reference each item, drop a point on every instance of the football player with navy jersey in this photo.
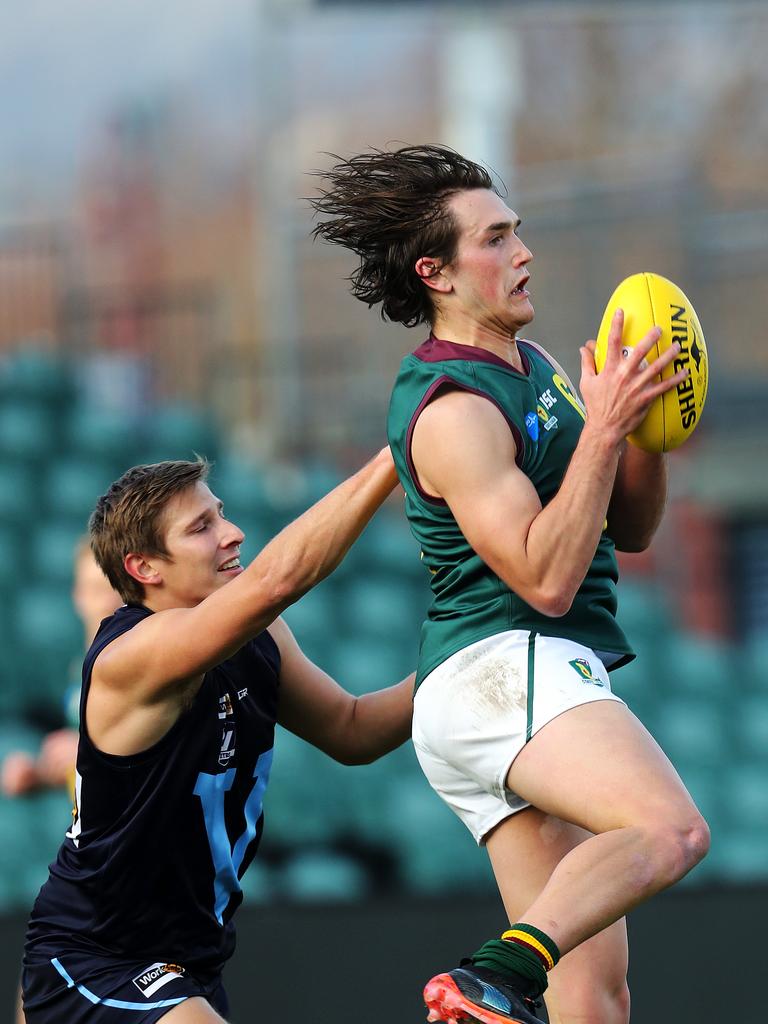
(182, 688)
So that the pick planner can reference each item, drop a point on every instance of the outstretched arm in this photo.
(142, 680)
(353, 730)
(179, 644)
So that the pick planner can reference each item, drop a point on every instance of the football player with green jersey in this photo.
(519, 492)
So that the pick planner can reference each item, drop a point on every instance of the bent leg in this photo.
(588, 985)
(597, 767)
(193, 1011)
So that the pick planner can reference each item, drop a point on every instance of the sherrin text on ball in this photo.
(650, 300)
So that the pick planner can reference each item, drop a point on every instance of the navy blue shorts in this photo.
(79, 988)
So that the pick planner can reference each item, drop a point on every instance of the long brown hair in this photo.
(390, 208)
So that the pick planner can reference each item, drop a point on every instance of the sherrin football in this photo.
(650, 300)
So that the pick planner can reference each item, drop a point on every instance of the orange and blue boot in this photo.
(477, 994)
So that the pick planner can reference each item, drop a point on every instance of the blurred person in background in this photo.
(21, 773)
(182, 688)
(519, 493)
(54, 766)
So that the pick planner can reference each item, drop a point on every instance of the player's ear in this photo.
(432, 273)
(141, 570)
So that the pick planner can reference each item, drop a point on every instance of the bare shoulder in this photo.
(144, 667)
(133, 657)
(137, 690)
(460, 441)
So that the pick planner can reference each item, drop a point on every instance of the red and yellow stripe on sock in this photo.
(536, 941)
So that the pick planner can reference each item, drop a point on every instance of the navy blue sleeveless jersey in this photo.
(151, 865)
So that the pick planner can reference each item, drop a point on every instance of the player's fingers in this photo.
(588, 368)
(662, 386)
(663, 361)
(613, 345)
(638, 352)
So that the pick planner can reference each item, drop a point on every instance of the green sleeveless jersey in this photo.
(470, 602)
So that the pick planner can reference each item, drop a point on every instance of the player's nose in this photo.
(231, 535)
(523, 254)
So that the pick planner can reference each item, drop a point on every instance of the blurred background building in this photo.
(159, 295)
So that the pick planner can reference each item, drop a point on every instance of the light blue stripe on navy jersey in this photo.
(118, 1004)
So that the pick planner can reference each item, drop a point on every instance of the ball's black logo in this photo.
(696, 354)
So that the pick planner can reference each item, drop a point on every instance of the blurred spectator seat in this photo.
(754, 664)
(692, 731)
(52, 551)
(38, 376)
(18, 497)
(387, 546)
(742, 854)
(49, 636)
(27, 432)
(298, 808)
(261, 882)
(382, 607)
(324, 874)
(35, 826)
(750, 721)
(71, 488)
(746, 794)
(700, 667)
(178, 432)
(108, 437)
(240, 485)
(364, 663)
(314, 623)
(436, 850)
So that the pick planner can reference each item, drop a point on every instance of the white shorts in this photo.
(476, 711)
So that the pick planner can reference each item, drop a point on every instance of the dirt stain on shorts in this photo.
(490, 684)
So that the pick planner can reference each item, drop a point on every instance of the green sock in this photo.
(524, 950)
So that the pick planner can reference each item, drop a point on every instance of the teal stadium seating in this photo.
(301, 803)
(706, 701)
(71, 488)
(34, 374)
(27, 432)
(52, 548)
(32, 829)
(363, 663)
(178, 432)
(693, 730)
(322, 874)
(19, 496)
(96, 435)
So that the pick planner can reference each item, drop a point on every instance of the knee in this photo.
(593, 1003)
(679, 847)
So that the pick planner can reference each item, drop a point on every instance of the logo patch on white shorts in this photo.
(582, 666)
(155, 976)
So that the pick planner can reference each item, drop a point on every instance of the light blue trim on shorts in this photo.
(118, 1004)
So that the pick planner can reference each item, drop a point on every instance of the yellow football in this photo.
(650, 300)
